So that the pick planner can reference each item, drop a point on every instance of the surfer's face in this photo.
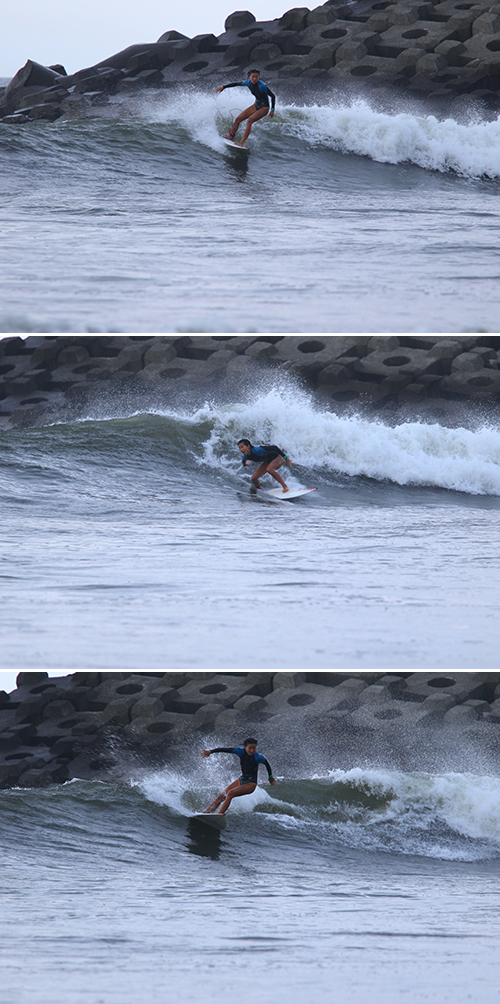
(244, 449)
(251, 749)
(254, 77)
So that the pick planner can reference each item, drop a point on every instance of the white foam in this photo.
(164, 787)
(467, 803)
(471, 149)
(413, 453)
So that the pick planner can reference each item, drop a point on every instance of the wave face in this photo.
(325, 447)
(160, 123)
(374, 811)
(412, 453)
(148, 520)
(346, 217)
(449, 817)
(378, 884)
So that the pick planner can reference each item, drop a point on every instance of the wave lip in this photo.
(413, 453)
(469, 149)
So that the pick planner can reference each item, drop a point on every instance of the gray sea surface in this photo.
(134, 540)
(349, 214)
(355, 885)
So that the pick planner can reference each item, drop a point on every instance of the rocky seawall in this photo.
(54, 378)
(107, 726)
(437, 50)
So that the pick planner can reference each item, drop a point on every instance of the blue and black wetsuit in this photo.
(263, 454)
(260, 91)
(249, 764)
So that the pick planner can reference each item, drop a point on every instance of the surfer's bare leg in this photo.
(225, 794)
(273, 468)
(239, 119)
(233, 791)
(259, 473)
(252, 118)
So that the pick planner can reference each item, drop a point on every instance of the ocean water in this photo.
(346, 885)
(132, 540)
(350, 214)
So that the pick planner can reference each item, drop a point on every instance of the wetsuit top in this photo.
(249, 764)
(260, 91)
(265, 453)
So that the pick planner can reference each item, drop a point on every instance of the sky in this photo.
(79, 35)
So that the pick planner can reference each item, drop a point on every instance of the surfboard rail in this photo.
(278, 495)
(235, 146)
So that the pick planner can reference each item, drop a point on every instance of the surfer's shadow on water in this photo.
(205, 841)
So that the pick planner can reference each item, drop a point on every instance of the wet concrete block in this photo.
(431, 64)
(171, 36)
(33, 707)
(323, 15)
(237, 53)
(446, 349)
(134, 686)
(294, 19)
(146, 707)
(461, 686)
(404, 13)
(44, 776)
(218, 689)
(167, 724)
(48, 110)
(425, 35)
(58, 709)
(10, 773)
(487, 23)
(470, 362)
(288, 680)
(385, 716)
(203, 720)
(334, 376)
(239, 19)
(251, 705)
(452, 51)
(304, 701)
(229, 727)
(484, 740)
(482, 384)
(396, 365)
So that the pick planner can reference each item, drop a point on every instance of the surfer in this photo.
(270, 458)
(249, 760)
(261, 93)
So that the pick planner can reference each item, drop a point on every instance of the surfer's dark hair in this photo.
(246, 442)
(250, 742)
(254, 71)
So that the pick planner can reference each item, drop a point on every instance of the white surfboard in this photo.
(235, 146)
(212, 819)
(278, 495)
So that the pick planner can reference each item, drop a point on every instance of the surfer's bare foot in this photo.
(214, 805)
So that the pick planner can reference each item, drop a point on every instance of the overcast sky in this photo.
(82, 34)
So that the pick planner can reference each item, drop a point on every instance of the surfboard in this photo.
(278, 495)
(212, 819)
(235, 146)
